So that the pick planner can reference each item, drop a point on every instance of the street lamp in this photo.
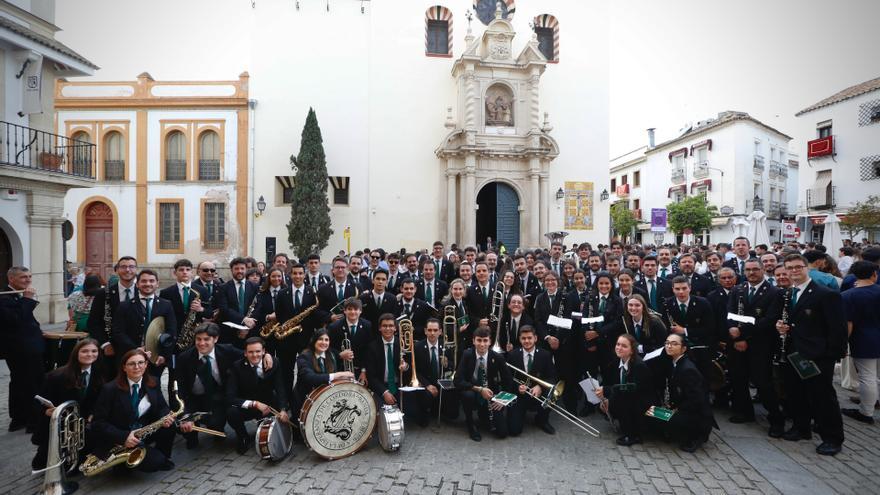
(560, 194)
(604, 195)
(261, 206)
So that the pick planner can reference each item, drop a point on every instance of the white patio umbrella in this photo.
(832, 239)
(740, 227)
(758, 233)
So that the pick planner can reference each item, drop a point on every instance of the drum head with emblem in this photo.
(338, 419)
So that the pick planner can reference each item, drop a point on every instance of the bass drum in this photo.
(273, 439)
(338, 419)
(718, 373)
(390, 428)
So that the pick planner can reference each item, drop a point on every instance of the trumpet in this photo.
(407, 345)
(346, 346)
(497, 313)
(554, 392)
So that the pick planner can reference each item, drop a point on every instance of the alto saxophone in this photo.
(187, 331)
(293, 325)
(132, 457)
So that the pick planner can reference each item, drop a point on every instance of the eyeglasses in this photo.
(672, 343)
(210, 270)
(795, 267)
(128, 267)
(136, 364)
(374, 257)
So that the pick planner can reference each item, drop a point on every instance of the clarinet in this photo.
(783, 337)
(108, 318)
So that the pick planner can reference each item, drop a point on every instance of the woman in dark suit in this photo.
(318, 365)
(637, 320)
(264, 308)
(79, 380)
(130, 402)
(629, 392)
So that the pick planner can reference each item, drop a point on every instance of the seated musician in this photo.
(482, 374)
(252, 391)
(318, 364)
(79, 380)
(688, 395)
(629, 392)
(637, 320)
(539, 364)
(358, 331)
(201, 376)
(386, 369)
(131, 402)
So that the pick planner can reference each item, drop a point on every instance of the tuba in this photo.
(132, 457)
(187, 331)
(66, 439)
(408, 345)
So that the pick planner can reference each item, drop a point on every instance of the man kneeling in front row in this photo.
(539, 364)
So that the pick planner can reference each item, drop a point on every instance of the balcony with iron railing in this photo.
(175, 169)
(778, 209)
(678, 176)
(822, 198)
(758, 166)
(32, 149)
(209, 169)
(756, 204)
(701, 169)
(114, 170)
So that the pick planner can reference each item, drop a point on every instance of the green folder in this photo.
(464, 320)
(504, 398)
(805, 368)
(661, 413)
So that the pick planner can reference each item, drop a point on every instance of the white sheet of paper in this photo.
(575, 314)
(595, 319)
(652, 354)
(410, 389)
(235, 325)
(741, 318)
(589, 386)
(559, 322)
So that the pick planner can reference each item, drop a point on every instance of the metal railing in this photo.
(758, 166)
(175, 169)
(114, 169)
(209, 169)
(701, 169)
(678, 175)
(825, 198)
(24, 147)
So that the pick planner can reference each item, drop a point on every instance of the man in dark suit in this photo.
(692, 317)
(357, 275)
(291, 302)
(182, 295)
(429, 288)
(201, 378)
(719, 298)
(252, 391)
(539, 364)
(208, 279)
(378, 301)
(431, 359)
(233, 300)
(700, 285)
(480, 296)
(749, 353)
(514, 319)
(332, 294)
(665, 268)
(741, 247)
(816, 329)
(23, 341)
(481, 375)
(395, 276)
(358, 331)
(411, 264)
(110, 298)
(413, 308)
(657, 288)
(527, 281)
(132, 320)
(314, 277)
(387, 372)
(443, 269)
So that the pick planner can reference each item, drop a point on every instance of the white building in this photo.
(840, 138)
(171, 167)
(739, 163)
(37, 166)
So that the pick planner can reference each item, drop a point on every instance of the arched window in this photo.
(81, 154)
(114, 156)
(438, 31)
(175, 156)
(547, 29)
(209, 156)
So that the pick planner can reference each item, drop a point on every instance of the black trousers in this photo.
(237, 416)
(629, 412)
(683, 426)
(286, 353)
(26, 374)
(516, 416)
(413, 405)
(753, 365)
(203, 403)
(470, 402)
(158, 450)
(815, 398)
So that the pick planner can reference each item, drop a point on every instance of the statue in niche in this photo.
(499, 107)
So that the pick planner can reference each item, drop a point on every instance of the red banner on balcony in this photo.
(820, 147)
(622, 190)
(700, 183)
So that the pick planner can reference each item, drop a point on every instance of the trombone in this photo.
(496, 314)
(549, 400)
(407, 345)
(450, 324)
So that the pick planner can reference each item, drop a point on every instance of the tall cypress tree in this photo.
(309, 227)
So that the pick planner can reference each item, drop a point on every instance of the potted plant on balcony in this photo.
(51, 161)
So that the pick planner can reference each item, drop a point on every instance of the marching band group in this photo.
(437, 340)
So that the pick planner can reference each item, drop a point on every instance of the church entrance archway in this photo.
(498, 215)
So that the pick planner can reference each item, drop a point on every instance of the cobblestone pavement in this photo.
(441, 459)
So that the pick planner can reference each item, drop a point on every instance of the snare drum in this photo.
(390, 428)
(338, 419)
(273, 439)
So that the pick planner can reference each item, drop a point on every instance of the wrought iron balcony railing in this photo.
(24, 147)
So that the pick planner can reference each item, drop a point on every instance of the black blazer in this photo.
(226, 300)
(508, 335)
(423, 363)
(284, 311)
(243, 383)
(734, 264)
(543, 310)
(465, 338)
(57, 391)
(210, 290)
(113, 415)
(20, 330)
(376, 366)
(700, 285)
(419, 312)
(129, 328)
(763, 332)
(394, 287)
(478, 306)
(309, 376)
(360, 341)
(322, 279)
(719, 298)
(497, 373)
(689, 393)
(265, 305)
(612, 314)
(664, 290)
(818, 325)
(635, 290)
(371, 312)
(446, 272)
(700, 321)
(651, 338)
(439, 291)
(188, 363)
(329, 298)
(95, 324)
(638, 374)
(172, 295)
(542, 364)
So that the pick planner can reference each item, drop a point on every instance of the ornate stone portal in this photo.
(497, 136)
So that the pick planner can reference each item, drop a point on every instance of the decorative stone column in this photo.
(535, 211)
(470, 212)
(44, 211)
(545, 206)
(451, 217)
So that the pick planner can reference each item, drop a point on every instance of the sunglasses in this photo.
(209, 270)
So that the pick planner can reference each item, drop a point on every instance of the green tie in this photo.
(210, 290)
(638, 331)
(602, 305)
(485, 293)
(751, 294)
(321, 362)
(434, 365)
(742, 267)
(354, 329)
(683, 309)
(437, 266)
(653, 294)
(531, 362)
(392, 374)
(429, 291)
(149, 313)
(794, 296)
(339, 293)
(406, 308)
(663, 272)
(83, 384)
(134, 403)
(241, 297)
(296, 300)
(622, 375)
(185, 298)
(772, 281)
(128, 295)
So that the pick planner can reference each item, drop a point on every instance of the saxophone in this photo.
(132, 457)
(187, 331)
(294, 325)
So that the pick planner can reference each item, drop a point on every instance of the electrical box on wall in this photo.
(9, 194)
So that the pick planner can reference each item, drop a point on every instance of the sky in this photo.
(671, 61)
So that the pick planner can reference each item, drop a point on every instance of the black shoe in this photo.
(38, 462)
(168, 465)
(793, 435)
(626, 441)
(690, 446)
(16, 425)
(69, 487)
(29, 429)
(548, 428)
(738, 419)
(857, 415)
(192, 441)
(244, 443)
(474, 434)
(776, 431)
(828, 448)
